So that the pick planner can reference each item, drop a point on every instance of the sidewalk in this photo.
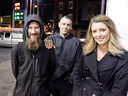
(6, 79)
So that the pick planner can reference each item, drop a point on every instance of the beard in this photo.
(33, 44)
(65, 33)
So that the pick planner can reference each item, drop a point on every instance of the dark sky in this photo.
(6, 7)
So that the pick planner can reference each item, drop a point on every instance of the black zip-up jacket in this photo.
(68, 51)
(32, 69)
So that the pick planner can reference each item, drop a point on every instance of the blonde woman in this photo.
(103, 68)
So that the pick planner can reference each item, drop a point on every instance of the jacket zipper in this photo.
(37, 70)
(32, 94)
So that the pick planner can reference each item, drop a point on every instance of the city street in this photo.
(6, 77)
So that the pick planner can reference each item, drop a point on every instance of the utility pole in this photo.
(30, 6)
(13, 22)
(26, 9)
(102, 7)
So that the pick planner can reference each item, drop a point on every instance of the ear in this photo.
(59, 24)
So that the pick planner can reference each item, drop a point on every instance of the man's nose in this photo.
(33, 30)
(65, 26)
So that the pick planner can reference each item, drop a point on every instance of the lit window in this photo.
(60, 5)
(70, 4)
(1, 20)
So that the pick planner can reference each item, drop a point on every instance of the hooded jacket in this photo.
(68, 51)
(32, 69)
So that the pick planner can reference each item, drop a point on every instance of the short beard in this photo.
(66, 34)
(33, 44)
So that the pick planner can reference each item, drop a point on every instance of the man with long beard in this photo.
(32, 63)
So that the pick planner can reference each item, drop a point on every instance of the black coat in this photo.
(109, 78)
(32, 70)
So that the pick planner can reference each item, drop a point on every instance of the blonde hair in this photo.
(113, 46)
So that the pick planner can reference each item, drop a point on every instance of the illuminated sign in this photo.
(17, 6)
(18, 15)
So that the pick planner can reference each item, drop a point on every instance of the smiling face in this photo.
(65, 26)
(101, 33)
(34, 30)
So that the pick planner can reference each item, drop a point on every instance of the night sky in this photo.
(6, 7)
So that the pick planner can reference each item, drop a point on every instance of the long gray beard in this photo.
(33, 44)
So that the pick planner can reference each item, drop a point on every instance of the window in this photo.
(70, 4)
(7, 35)
(60, 15)
(1, 34)
(60, 5)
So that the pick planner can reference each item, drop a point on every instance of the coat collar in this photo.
(111, 62)
(106, 64)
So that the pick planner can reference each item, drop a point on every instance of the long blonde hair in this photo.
(113, 46)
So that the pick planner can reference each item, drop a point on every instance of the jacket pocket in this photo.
(80, 90)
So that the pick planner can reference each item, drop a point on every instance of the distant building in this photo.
(80, 10)
(5, 22)
(5, 19)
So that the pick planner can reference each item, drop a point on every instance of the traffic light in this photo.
(17, 6)
(18, 15)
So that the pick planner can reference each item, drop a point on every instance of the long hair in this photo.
(113, 46)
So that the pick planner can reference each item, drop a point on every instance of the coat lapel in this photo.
(91, 62)
(107, 62)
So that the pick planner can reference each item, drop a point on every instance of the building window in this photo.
(70, 4)
(60, 5)
(71, 16)
(60, 15)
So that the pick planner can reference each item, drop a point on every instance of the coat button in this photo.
(93, 94)
(101, 73)
(84, 89)
(87, 78)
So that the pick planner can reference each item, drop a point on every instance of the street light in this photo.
(34, 6)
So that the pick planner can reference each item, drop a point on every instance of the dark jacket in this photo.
(108, 77)
(68, 50)
(32, 69)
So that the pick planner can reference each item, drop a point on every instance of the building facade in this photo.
(65, 7)
(80, 10)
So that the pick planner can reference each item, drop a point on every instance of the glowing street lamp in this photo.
(34, 6)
